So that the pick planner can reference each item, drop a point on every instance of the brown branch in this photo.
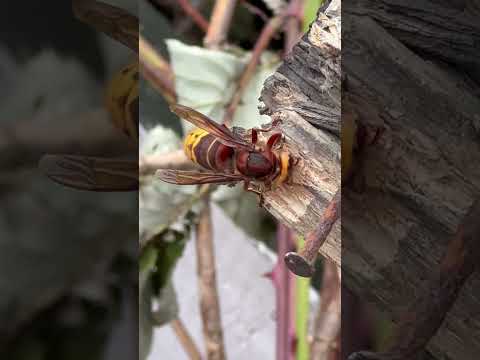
(302, 263)
(293, 25)
(219, 23)
(157, 71)
(209, 304)
(427, 312)
(255, 10)
(111, 20)
(173, 160)
(23, 142)
(263, 40)
(328, 321)
(194, 14)
(185, 339)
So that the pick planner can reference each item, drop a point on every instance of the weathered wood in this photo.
(308, 81)
(304, 91)
(420, 179)
(444, 31)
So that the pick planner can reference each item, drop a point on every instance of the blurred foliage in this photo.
(310, 12)
(66, 257)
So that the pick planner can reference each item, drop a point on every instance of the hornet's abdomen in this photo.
(205, 150)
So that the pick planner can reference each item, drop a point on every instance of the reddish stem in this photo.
(283, 280)
(194, 14)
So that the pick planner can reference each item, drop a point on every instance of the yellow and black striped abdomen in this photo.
(205, 150)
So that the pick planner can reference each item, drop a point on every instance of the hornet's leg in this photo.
(246, 187)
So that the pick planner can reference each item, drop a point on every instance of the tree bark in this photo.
(305, 94)
(420, 178)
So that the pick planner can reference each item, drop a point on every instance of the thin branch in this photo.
(209, 304)
(111, 20)
(282, 281)
(156, 70)
(185, 339)
(173, 160)
(194, 14)
(255, 10)
(219, 23)
(293, 25)
(328, 321)
(263, 40)
(23, 142)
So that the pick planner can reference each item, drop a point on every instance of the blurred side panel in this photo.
(68, 183)
(410, 117)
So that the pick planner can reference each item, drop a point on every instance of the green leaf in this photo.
(159, 202)
(145, 319)
(148, 259)
(166, 305)
(206, 80)
(169, 247)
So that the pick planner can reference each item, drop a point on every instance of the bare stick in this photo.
(255, 10)
(209, 304)
(293, 25)
(219, 23)
(302, 263)
(173, 160)
(194, 14)
(263, 40)
(111, 20)
(328, 321)
(157, 71)
(282, 280)
(185, 339)
(23, 142)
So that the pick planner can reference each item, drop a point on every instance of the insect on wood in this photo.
(228, 157)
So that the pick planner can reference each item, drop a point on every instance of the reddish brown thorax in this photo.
(254, 164)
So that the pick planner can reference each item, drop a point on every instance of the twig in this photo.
(255, 10)
(219, 23)
(426, 313)
(194, 14)
(173, 160)
(328, 321)
(263, 40)
(282, 281)
(302, 263)
(23, 142)
(185, 339)
(293, 25)
(209, 304)
(111, 20)
(157, 71)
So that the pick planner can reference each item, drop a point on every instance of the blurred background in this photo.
(68, 258)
